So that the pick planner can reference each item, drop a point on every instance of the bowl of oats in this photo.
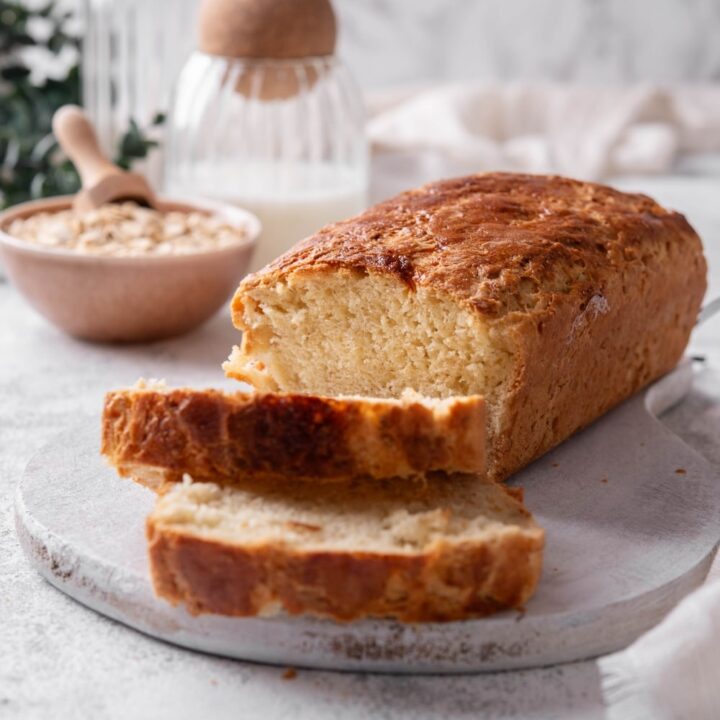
(126, 273)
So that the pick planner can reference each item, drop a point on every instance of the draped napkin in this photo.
(583, 131)
(673, 671)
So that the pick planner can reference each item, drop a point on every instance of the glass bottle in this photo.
(280, 136)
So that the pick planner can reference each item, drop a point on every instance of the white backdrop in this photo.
(389, 42)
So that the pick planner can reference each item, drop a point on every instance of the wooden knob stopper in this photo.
(272, 29)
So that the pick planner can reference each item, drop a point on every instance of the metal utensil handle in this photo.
(709, 310)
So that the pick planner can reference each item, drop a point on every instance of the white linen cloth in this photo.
(583, 131)
(673, 671)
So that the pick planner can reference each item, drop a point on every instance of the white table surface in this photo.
(59, 660)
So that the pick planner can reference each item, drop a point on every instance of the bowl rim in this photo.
(236, 216)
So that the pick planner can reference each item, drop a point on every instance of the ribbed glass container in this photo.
(132, 53)
(282, 138)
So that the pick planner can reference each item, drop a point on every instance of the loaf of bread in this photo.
(425, 549)
(553, 299)
(157, 435)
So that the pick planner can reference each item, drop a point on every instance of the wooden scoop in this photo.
(102, 181)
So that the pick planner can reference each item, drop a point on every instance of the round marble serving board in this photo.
(632, 516)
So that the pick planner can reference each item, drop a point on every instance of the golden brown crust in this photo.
(578, 363)
(225, 437)
(451, 581)
(594, 291)
(489, 239)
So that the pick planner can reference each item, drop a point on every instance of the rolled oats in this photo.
(127, 230)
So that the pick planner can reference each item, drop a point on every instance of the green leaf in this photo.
(14, 72)
(33, 167)
(133, 145)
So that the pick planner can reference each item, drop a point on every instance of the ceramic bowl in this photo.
(126, 299)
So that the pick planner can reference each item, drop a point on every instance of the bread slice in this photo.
(436, 548)
(158, 434)
(551, 298)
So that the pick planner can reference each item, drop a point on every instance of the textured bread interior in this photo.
(356, 333)
(381, 517)
(351, 332)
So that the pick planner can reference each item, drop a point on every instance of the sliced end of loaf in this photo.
(338, 331)
(434, 549)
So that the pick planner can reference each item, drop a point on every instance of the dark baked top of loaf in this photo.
(498, 241)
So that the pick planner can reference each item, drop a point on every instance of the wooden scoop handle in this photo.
(102, 181)
(77, 138)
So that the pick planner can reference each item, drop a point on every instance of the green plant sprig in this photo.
(31, 164)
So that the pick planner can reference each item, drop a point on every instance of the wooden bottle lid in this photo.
(270, 29)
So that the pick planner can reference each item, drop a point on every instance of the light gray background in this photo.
(411, 42)
(390, 42)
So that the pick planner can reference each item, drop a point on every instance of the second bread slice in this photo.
(431, 549)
